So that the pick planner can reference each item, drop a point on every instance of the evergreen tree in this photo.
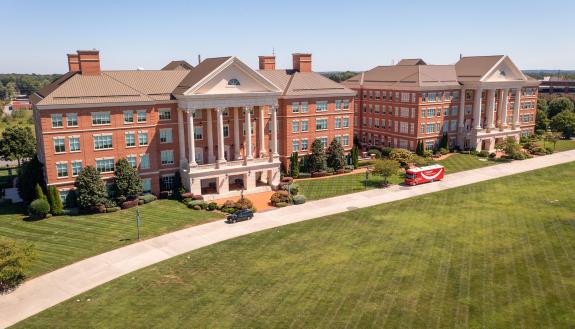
(317, 161)
(444, 142)
(335, 155)
(56, 205)
(355, 157)
(127, 182)
(294, 165)
(419, 150)
(90, 188)
(177, 190)
(39, 192)
(30, 174)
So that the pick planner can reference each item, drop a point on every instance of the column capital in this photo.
(248, 109)
(220, 110)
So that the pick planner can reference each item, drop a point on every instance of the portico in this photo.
(222, 120)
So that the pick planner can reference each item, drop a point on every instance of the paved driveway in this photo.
(50, 289)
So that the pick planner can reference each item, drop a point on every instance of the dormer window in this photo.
(233, 82)
(502, 72)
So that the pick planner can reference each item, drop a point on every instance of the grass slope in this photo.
(62, 240)
(498, 254)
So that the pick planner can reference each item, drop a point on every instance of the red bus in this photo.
(418, 175)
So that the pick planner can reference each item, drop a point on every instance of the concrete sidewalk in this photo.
(50, 289)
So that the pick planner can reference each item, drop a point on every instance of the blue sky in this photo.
(341, 35)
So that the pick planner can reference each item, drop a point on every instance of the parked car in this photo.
(240, 215)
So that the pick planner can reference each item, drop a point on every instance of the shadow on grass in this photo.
(13, 209)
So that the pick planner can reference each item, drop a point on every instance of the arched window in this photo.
(233, 82)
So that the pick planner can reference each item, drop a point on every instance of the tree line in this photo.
(14, 84)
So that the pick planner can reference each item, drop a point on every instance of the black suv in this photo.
(240, 215)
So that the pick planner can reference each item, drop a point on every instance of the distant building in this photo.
(21, 102)
(477, 103)
(556, 86)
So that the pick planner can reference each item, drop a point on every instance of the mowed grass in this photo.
(459, 162)
(562, 145)
(498, 254)
(62, 240)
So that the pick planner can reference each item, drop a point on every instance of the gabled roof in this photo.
(199, 72)
(178, 65)
(411, 61)
(475, 67)
(402, 76)
(295, 83)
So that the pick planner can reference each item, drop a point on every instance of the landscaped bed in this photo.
(496, 254)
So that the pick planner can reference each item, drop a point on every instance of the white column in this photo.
(490, 108)
(210, 133)
(261, 136)
(461, 113)
(191, 139)
(237, 133)
(477, 108)
(274, 123)
(516, 107)
(248, 136)
(503, 108)
(220, 132)
(181, 137)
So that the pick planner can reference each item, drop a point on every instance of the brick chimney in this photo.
(73, 63)
(267, 63)
(89, 62)
(302, 62)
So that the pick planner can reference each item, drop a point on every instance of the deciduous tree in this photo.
(565, 123)
(17, 143)
(335, 155)
(385, 168)
(558, 105)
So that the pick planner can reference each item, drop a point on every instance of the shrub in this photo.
(376, 153)
(483, 154)
(492, 155)
(198, 197)
(229, 210)
(317, 159)
(281, 204)
(147, 198)
(129, 204)
(319, 174)
(196, 207)
(212, 206)
(244, 204)
(523, 139)
(164, 194)
(549, 150)
(299, 199)
(127, 182)
(187, 200)
(201, 204)
(292, 188)
(402, 156)
(90, 188)
(39, 192)
(386, 151)
(56, 205)
(187, 195)
(335, 155)
(99, 209)
(304, 175)
(39, 208)
(340, 171)
(112, 209)
(71, 212)
(473, 152)
(14, 261)
(279, 197)
(141, 202)
(287, 180)
(443, 151)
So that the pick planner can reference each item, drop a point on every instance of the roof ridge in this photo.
(289, 83)
(127, 85)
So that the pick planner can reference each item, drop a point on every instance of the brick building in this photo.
(477, 102)
(221, 125)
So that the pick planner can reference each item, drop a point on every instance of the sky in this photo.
(342, 35)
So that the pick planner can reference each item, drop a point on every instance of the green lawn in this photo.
(563, 145)
(63, 240)
(460, 162)
(498, 254)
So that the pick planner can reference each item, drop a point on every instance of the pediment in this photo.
(504, 70)
(232, 77)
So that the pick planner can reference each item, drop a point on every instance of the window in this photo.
(128, 117)
(337, 105)
(167, 183)
(404, 113)
(430, 128)
(198, 133)
(323, 141)
(100, 118)
(251, 129)
(131, 139)
(321, 106)
(445, 126)
(453, 125)
(303, 107)
(405, 97)
(304, 144)
(62, 169)
(226, 129)
(72, 119)
(102, 142)
(57, 121)
(295, 107)
(304, 125)
(143, 138)
(74, 143)
(144, 161)
(167, 157)
(320, 124)
(131, 160)
(404, 127)
(337, 123)
(345, 140)
(446, 111)
(141, 116)
(423, 112)
(295, 126)
(76, 167)
(346, 104)
(295, 145)
(105, 165)
(233, 82)
(165, 136)
(422, 130)
(165, 114)
(147, 185)
(429, 145)
(454, 110)
(430, 113)
(59, 145)
(346, 122)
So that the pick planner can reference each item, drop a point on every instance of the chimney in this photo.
(302, 62)
(267, 63)
(89, 62)
(73, 63)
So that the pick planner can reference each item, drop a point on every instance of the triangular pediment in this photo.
(232, 77)
(504, 70)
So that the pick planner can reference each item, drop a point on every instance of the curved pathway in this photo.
(52, 288)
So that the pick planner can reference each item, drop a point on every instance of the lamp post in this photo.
(138, 220)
